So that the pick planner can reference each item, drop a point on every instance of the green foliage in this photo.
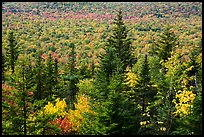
(39, 70)
(12, 51)
(156, 75)
(166, 44)
(71, 75)
(3, 67)
(49, 75)
(108, 65)
(120, 41)
(23, 84)
(144, 74)
(133, 81)
(39, 123)
(86, 86)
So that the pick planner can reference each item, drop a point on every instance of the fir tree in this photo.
(56, 74)
(109, 77)
(71, 75)
(92, 68)
(109, 64)
(120, 41)
(12, 51)
(195, 66)
(3, 67)
(166, 44)
(146, 91)
(38, 94)
(117, 46)
(49, 75)
(109, 86)
(24, 88)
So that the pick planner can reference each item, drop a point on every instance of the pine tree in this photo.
(166, 44)
(119, 39)
(39, 70)
(22, 82)
(109, 77)
(146, 91)
(49, 75)
(3, 67)
(109, 63)
(56, 74)
(12, 51)
(71, 75)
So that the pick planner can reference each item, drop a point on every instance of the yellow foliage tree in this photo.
(131, 78)
(76, 117)
(130, 82)
(185, 101)
(58, 108)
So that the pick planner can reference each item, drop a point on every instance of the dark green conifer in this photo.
(109, 77)
(38, 94)
(49, 75)
(166, 44)
(24, 87)
(71, 76)
(12, 51)
(56, 73)
(3, 67)
(146, 91)
(121, 42)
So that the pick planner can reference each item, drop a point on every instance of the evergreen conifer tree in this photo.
(71, 75)
(12, 51)
(39, 70)
(109, 77)
(120, 41)
(49, 75)
(3, 67)
(166, 44)
(56, 76)
(23, 89)
(146, 91)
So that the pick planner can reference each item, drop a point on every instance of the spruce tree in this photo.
(3, 67)
(108, 65)
(109, 77)
(117, 46)
(22, 81)
(27, 91)
(92, 69)
(146, 91)
(49, 75)
(196, 67)
(56, 75)
(71, 75)
(108, 83)
(166, 44)
(121, 42)
(12, 51)
(39, 77)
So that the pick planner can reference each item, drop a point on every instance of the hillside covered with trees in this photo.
(101, 68)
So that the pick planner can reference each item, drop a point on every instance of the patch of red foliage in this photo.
(64, 124)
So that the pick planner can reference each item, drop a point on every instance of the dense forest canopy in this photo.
(101, 68)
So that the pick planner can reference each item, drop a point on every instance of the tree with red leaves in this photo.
(64, 124)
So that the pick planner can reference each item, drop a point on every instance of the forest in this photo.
(101, 68)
